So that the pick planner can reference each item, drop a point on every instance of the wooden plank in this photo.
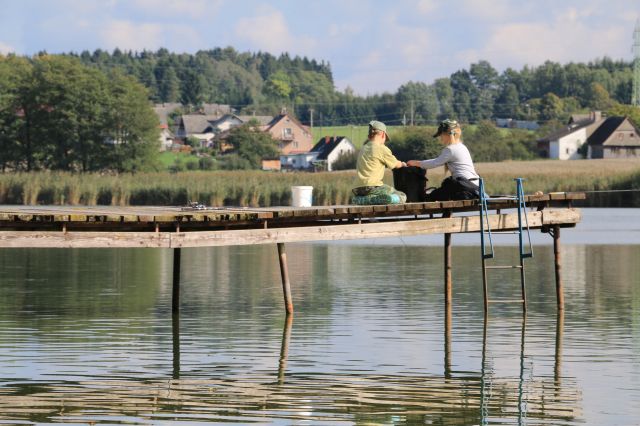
(559, 217)
(55, 239)
(365, 230)
(80, 239)
(557, 196)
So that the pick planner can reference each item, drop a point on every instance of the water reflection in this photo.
(371, 340)
(456, 397)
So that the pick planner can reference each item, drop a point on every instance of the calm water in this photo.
(87, 336)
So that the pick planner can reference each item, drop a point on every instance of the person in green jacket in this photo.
(372, 160)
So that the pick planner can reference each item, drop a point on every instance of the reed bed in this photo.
(257, 188)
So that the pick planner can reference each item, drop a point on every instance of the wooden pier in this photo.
(178, 227)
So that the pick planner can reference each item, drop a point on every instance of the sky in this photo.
(373, 46)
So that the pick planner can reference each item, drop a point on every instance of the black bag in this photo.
(455, 189)
(412, 181)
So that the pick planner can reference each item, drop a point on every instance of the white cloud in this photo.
(269, 31)
(568, 38)
(194, 9)
(5, 48)
(127, 35)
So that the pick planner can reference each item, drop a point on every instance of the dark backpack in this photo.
(412, 181)
(455, 189)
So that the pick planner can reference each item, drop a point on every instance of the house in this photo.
(292, 136)
(194, 124)
(510, 123)
(323, 154)
(298, 160)
(603, 137)
(565, 143)
(228, 121)
(617, 137)
(166, 137)
(330, 149)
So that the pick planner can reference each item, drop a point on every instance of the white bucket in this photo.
(301, 196)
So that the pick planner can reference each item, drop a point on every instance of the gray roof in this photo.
(163, 110)
(197, 123)
(262, 119)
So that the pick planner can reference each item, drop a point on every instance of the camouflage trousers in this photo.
(384, 194)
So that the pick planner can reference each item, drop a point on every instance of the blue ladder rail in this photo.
(485, 229)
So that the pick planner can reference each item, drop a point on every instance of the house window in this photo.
(295, 144)
(567, 150)
(631, 135)
(287, 133)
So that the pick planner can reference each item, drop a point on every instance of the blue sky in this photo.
(372, 45)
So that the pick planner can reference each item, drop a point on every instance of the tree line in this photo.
(92, 111)
(263, 83)
(58, 114)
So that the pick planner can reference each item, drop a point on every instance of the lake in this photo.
(87, 336)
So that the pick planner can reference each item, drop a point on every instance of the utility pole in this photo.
(412, 108)
(635, 96)
(311, 114)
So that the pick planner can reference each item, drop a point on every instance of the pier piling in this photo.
(284, 273)
(175, 300)
(557, 264)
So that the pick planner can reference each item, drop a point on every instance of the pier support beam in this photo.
(175, 300)
(447, 270)
(555, 232)
(284, 273)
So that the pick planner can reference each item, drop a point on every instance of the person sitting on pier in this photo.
(463, 182)
(372, 160)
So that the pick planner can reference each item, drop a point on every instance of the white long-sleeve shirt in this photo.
(457, 158)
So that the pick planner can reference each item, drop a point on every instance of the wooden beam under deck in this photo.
(320, 231)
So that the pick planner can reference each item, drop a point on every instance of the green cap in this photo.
(446, 126)
(379, 125)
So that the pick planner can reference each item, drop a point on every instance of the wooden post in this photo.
(175, 328)
(175, 301)
(557, 376)
(447, 341)
(284, 273)
(284, 348)
(556, 254)
(447, 270)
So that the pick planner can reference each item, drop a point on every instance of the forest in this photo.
(263, 83)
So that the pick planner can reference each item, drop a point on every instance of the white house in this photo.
(565, 143)
(608, 137)
(330, 149)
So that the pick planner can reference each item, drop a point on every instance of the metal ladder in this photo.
(485, 230)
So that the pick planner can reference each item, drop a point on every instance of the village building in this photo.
(330, 149)
(592, 136)
(292, 136)
(323, 155)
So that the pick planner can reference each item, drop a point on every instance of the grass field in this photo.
(258, 188)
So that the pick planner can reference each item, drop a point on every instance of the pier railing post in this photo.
(284, 273)
(175, 300)
(556, 255)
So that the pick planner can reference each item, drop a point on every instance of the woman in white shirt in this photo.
(463, 183)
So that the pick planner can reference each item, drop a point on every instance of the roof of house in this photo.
(197, 123)
(326, 145)
(280, 117)
(163, 110)
(603, 133)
